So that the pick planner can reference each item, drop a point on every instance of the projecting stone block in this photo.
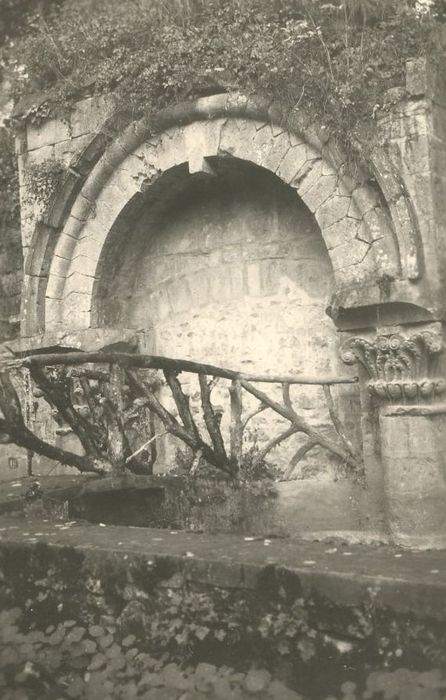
(201, 140)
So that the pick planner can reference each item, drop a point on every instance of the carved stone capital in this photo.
(399, 366)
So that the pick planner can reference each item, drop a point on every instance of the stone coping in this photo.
(347, 574)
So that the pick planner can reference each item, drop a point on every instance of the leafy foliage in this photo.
(336, 59)
(42, 179)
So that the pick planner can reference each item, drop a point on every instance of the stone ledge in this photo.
(414, 410)
(345, 573)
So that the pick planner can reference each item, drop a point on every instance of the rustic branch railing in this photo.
(115, 389)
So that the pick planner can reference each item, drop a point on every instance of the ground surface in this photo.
(94, 656)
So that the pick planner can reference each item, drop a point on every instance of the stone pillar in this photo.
(407, 392)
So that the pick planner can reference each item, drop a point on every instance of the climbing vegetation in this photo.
(335, 59)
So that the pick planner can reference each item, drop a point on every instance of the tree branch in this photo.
(274, 442)
(182, 403)
(295, 459)
(211, 419)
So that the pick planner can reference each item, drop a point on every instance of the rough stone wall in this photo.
(233, 271)
(57, 141)
(384, 241)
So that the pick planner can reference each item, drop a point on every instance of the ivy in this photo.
(335, 59)
(42, 179)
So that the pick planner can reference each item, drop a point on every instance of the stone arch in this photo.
(370, 232)
(356, 228)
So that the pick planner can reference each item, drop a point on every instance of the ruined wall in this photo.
(139, 243)
(57, 142)
(231, 269)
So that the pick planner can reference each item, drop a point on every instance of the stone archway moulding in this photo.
(365, 244)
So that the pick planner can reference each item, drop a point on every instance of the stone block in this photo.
(199, 286)
(76, 298)
(90, 115)
(59, 266)
(65, 247)
(201, 140)
(292, 162)
(254, 279)
(55, 286)
(83, 265)
(237, 275)
(89, 247)
(320, 191)
(308, 176)
(66, 151)
(159, 306)
(47, 134)
(270, 150)
(341, 232)
(333, 210)
(414, 478)
(179, 295)
(53, 312)
(376, 226)
(237, 136)
(365, 198)
(79, 286)
(347, 254)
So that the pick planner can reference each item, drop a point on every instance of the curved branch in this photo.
(173, 426)
(274, 442)
(301, 424)
(55, 397)
(182, 403)
(251, 415)
(23, 437)
(295, 459)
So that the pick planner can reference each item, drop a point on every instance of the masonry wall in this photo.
(59, 142)
(231, 269)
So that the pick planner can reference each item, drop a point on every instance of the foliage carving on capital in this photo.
(399, 366)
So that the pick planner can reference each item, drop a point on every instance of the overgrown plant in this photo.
(43, 178)
(334, 59)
